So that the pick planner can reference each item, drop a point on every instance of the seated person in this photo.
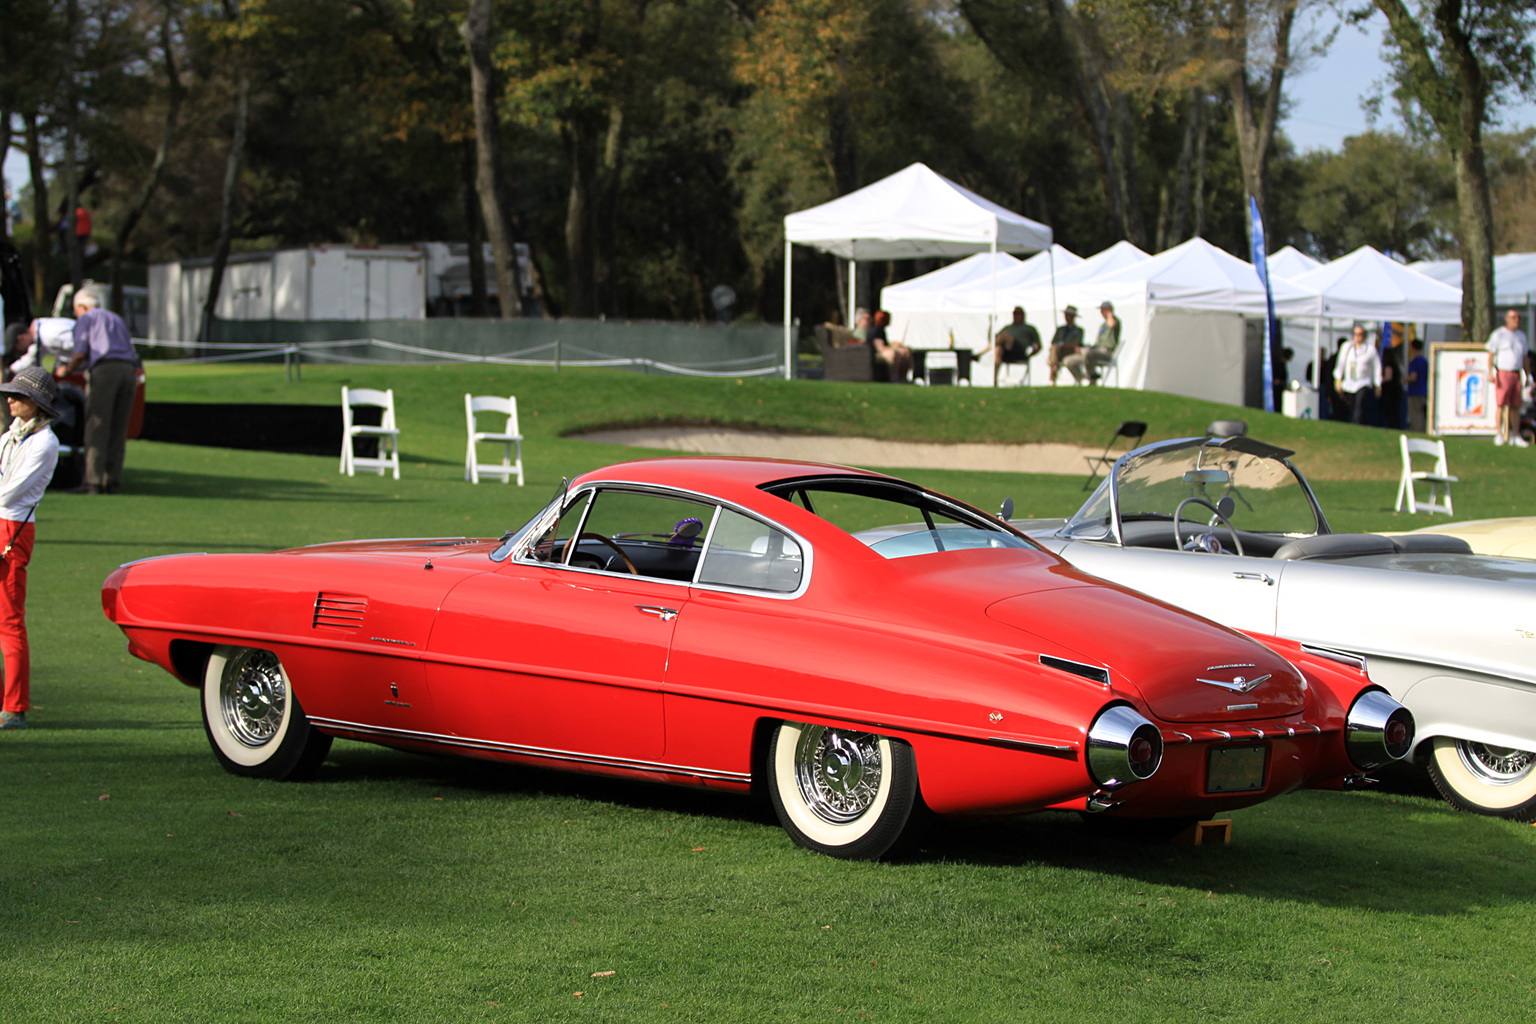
(1067, 340)
(1016, 343)
(894, 354)
(1091, 361)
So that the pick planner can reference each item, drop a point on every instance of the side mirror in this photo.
(1007, 510)
(1226, 506)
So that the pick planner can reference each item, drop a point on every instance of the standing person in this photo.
(1417, 387)
(1507, 344)
(1016, 343)
(1067, 340)
(103, 344)
(1358, 376)
(1392, 386)
(28, 453)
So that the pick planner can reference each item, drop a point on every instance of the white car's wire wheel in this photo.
(1485, 779)
(253, 720)
(844, 793)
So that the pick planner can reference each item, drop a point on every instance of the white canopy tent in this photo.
(962, 301)
(1291, 262)
(1514, 276)
(1182, 317)
(914, 213)
(1367, 285)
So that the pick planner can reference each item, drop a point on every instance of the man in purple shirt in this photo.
(102, 344)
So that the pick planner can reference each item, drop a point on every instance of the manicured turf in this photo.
(142, 883)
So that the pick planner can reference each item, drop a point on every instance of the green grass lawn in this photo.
(142, 883)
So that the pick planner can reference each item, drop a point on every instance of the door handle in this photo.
(664, 614)
(1257, 577)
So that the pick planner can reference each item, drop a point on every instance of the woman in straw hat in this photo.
(28, 453)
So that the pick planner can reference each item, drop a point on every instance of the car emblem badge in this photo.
(1237, 684)
(996, 716)
(394, 691)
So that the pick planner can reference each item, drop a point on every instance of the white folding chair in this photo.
(943, 362)
(1437, 476)
(384, 432)
(507, 437)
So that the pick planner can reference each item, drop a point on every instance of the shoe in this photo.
(1519, 442)
(13, 719)
(1498, 440)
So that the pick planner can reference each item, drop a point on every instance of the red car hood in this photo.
(1186, 668)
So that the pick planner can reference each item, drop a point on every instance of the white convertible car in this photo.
(1228, 528)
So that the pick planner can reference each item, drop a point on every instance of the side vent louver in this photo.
(1077, 668)
(339, 611)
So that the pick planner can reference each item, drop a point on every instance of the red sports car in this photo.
(715, 622)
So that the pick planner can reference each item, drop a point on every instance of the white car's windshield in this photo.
(1266, 495)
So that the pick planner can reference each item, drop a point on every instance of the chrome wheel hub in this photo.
(1496, 766)
(838, 772)
(253, 696)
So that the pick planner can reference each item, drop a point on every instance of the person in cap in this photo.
(1089, 362)
(29, 451)
(1067, 341)
(1016, 343)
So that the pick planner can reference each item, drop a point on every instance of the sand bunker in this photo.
(854, 451)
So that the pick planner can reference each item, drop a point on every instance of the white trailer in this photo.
(317, 282)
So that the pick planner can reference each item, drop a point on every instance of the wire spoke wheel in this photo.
(843, 792)
(1484, 778)
(253, 718)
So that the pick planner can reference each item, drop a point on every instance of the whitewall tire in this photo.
(253, 719)
(844, 793)
(1484, 779)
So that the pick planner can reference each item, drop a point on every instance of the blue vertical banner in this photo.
(1261, 264)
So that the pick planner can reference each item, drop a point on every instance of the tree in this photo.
(1456, 58)
(1380, 189)
(477, 40)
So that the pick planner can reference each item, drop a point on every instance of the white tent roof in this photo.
(1116, 258)
(1195, 275)
(1514, 276)
(1366, 285)
(1291, 262)
(914, 212)
(927, 292)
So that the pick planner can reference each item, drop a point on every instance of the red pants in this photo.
(13, 615)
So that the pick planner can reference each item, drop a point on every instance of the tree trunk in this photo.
(41, 232)
(1194, 126)
(1456, 100)
(1108, 115)
(130, 221)
(581, 151)
(476, 31)
(474, 228)
(1254, 117)
(609, 181)
(227, 206)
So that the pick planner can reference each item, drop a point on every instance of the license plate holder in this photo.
(1236, 769)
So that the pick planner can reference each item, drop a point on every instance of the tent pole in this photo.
(789, 326)
(992, 316)
(853, 292)
(1317, 349)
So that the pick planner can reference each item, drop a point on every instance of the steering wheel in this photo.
(589, 535)
(1179, 512)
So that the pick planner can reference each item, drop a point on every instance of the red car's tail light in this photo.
(1123, 747)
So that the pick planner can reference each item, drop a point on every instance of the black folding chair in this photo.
(1132, 430)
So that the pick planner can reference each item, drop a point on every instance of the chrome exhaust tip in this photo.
(1123, 747)
(1378, 730)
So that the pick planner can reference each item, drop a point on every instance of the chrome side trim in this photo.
(545, 753)
(1054, 749)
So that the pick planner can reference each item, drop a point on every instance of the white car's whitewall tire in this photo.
(1476, 777)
